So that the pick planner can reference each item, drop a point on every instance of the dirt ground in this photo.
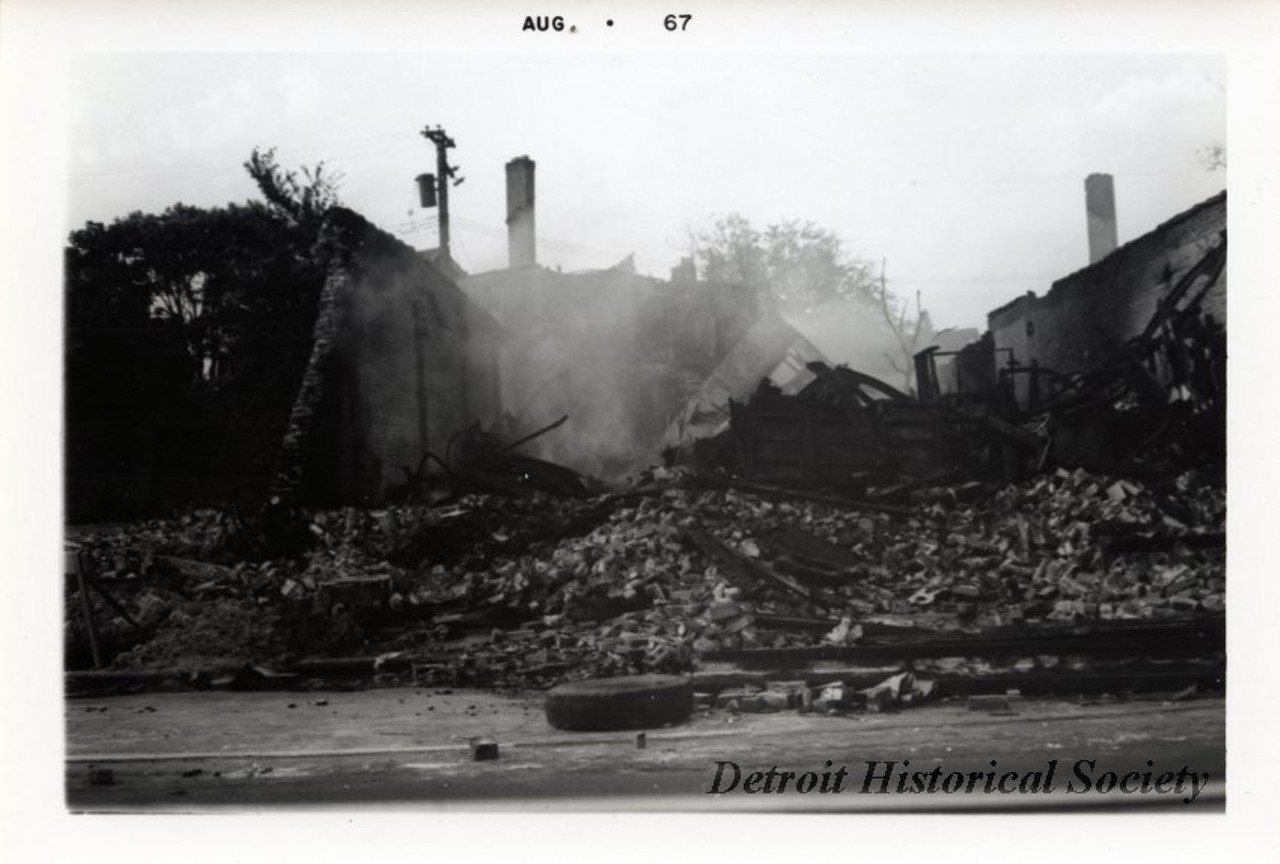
(410, 746)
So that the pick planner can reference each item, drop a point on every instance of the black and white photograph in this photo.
(627, 410)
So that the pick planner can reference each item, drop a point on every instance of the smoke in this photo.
(619, 386)
(607, 434)
(618, 353)
(856, 335)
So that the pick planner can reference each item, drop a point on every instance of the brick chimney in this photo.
(522, 238)
(1100, 209)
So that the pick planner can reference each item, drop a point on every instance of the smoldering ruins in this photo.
(535, 480)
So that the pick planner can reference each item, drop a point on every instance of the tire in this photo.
(631, 702)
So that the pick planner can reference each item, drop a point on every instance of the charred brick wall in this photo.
(411, 370)
(311, 392)
(401, 361)
(1086, 316)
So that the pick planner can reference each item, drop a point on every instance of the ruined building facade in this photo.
(1088, 316)
(401, 361)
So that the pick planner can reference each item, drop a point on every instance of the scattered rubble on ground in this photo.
(536, 590)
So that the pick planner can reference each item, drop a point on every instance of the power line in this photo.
(412, 228)
(975, 280)
(468, 263)
(499, 233)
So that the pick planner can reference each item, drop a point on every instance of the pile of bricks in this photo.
(501, 591)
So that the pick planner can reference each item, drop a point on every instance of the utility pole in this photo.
(444, 171)
(432, 190)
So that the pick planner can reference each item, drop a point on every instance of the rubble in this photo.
(850, 432)
(535, 591)
(479, 461)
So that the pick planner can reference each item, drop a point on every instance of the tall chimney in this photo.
(522, 239)
(1100, 208)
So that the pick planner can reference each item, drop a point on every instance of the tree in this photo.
(801, 265)
(217, 275)
(730, 251)
(304, 203)
(214, 276)
(806, 270)
(196, 318)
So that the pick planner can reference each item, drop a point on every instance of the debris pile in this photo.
(538, 590)
(895, 692)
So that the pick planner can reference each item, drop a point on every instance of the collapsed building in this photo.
(622, 354)
(415, 364)
(1121, 363)
(418, 372)
(1130, 351)
(834, 536)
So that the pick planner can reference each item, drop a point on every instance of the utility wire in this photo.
(974, 280)
(496, 232)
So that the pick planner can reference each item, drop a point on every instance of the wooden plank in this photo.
(739, 568)
(812, 546)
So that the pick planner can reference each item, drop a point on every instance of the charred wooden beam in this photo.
(740, 568)
(811, 575)
(792, 624)
(532, 435)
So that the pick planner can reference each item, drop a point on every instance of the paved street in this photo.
(195, 751)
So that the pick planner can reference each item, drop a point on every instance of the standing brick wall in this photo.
(401, 360)
(414, 372)
(292, 458)
(1086, 316)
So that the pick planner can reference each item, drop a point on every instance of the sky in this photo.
(962, 175)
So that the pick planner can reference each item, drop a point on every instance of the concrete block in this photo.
(484, 749)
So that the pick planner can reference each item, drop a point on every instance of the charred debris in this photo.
(848, 547)
(835, 546)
